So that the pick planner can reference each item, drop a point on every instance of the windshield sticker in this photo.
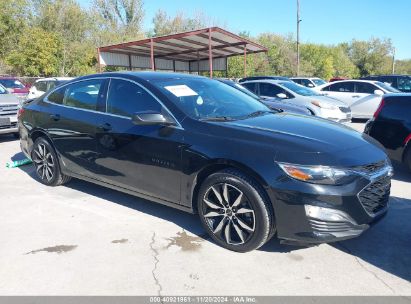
(200, 100)
(181, 90)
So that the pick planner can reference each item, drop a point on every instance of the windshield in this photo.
(202, 99)
(318, 81)
(387, 87)
(3, 90)
(298, 89)
(12, 83)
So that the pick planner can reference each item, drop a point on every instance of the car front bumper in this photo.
(342, 115)
(352, 202)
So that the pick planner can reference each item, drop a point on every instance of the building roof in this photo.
(188, 46)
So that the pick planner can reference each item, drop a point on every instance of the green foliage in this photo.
(36, 57)
(59, 38)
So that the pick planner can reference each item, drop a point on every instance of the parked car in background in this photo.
(391, 126)
(204, 147)
(400, 82)
(264, 77)
(15, 86)
(362, 96)
(42, 86)
(318, 105)
(9, 106)
(274, 103)
(309, 82)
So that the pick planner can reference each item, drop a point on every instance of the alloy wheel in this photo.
(229, 214)
(44, 162)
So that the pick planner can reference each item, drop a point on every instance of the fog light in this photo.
(327, 214)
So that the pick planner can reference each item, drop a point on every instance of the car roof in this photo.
(54, 78)
(353, 80)
(275, 81)
(145, 75)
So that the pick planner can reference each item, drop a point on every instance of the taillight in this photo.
(379, 109)
(407, 139)
(20, 112)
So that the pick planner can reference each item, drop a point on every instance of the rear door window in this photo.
(126, 98)
(251, 86)
(404, 84)
(347, 87)
(84, 94)
(364, 87)
(270, 90)
(57, 96)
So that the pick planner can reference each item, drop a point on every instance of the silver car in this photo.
(317, 104)
(362, 96)
(9, 106)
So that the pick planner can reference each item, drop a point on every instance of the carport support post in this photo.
(245, 60)
(210, 54)
(98, 60)
(152, 55)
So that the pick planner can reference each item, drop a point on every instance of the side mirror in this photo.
(281, 95)
(151, 119)
(379, 92)
(310, 85)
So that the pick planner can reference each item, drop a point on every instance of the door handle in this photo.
(355, 96)
(55, 117)
(105, 127)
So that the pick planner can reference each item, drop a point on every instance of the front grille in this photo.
(12, 125)
(375, 196)
(8, 109)
(345, 110)
(371, 168)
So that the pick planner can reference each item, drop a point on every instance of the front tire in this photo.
(235, 212)
(45, 161)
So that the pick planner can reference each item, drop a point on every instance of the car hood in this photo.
(9, 99)
(308, 139)
(329, 100)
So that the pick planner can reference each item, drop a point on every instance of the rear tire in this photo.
(46, 162)
(234, 211)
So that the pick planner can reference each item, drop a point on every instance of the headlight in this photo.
(319, 174)
(323, 105)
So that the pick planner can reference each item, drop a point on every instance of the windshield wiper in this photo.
(217, 118)
(259, 113)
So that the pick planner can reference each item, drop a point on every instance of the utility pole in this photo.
(393, 61)
(298, 37)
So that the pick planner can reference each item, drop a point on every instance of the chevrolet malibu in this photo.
(201, 146)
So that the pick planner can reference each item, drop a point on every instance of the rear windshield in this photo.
(318, 81)
(12, 83)
(387, 87)
(298, 89)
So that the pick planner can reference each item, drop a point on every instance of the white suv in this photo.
(41, 86)
(362, 96)
(9, 106)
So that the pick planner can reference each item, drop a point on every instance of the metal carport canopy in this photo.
(195, 51)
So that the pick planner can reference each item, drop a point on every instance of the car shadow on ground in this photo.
(188, 222)
(7, 137)
(386, 245)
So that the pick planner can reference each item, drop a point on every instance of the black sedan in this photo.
(391, 126)
(273, 103)
(204, 147)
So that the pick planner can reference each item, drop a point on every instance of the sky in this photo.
(323, 21)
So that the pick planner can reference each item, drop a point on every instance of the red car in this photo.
(15, 86)
(337, 79)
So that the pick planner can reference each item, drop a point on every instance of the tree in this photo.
(164, 24)
(371, 57)
(36, 57)
(122, 17)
